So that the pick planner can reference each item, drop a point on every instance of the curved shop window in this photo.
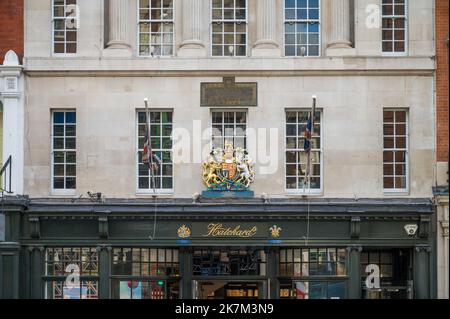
(313, 273)
(71, 273)
(145, 273)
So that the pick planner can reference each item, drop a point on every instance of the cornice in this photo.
(223, 73)
(219, 67)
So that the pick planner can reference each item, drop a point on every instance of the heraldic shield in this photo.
(228, 169)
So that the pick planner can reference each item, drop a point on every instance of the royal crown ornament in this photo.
(228, 169)
(184, 232)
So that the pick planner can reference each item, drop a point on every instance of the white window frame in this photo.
(138, 39)
(406, 40)
(294, 21)
(300, 191)
(62, 191)
(53, 53)
(222, 21)
(240, 110)
(397, 191)
(149, 191)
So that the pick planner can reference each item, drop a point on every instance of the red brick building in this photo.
(11, 27)
(442, 87)
(442, 106)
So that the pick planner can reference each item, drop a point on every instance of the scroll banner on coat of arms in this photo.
(228, 172)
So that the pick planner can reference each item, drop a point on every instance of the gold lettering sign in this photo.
(219, 230)
(229, 93)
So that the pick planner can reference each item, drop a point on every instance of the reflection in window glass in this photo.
(302, 27)
(394, 26)
(296, 158)
(156, 27)
(313, 262)
(312, 289)
(161, 144)
(229, 27)
(137, 289)
(64, 150)
(61, 262)
(65, 24)
(395, 150)
(229, 127)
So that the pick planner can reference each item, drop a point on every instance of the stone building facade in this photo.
(90, 64)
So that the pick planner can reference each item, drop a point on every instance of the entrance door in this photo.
(228, 290)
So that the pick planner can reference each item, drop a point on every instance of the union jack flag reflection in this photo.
(149, 159)
(308, 136)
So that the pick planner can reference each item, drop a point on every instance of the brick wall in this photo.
(442, 80)
(11, 27)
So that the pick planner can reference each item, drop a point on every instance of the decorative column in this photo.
(118, 25)
(13, 120)
(9, 270)
(354, 272)
(192, 44)
(266, 26)
(37, 271)
(272, 272)
(340, 28)
(185, 258)
(104, 252)
(422, 272)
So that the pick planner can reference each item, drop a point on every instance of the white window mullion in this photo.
(61, 120)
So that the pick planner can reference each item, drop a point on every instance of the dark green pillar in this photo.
(422, 272)
(36, 271)
(186, 272)
(9, 270)
(354, 272)
(272, 273)
(104, 261)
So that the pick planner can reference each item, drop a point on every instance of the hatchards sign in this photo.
(229, 93)
(227, 230)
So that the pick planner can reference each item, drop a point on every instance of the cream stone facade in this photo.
(76, 112)
(107, 83)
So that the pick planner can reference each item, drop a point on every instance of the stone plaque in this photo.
(229, 93)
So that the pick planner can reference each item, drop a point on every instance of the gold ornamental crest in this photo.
(228, 169)
(184, 232)
(275, 231)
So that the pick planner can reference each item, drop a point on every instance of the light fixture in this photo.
(231, 49)
(152, 50)
(302, 51)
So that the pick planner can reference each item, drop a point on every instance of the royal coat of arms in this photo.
(228, 169)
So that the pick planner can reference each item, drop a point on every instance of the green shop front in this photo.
(217, 249)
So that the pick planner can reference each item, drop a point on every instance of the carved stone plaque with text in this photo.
(229, 93)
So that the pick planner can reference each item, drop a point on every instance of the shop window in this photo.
(313, 289)
(229, 27)
(395, 273)
(156, 27)
(161, 144)
(145, 273)
(307, 262)
(62, 262)
(232, 262)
